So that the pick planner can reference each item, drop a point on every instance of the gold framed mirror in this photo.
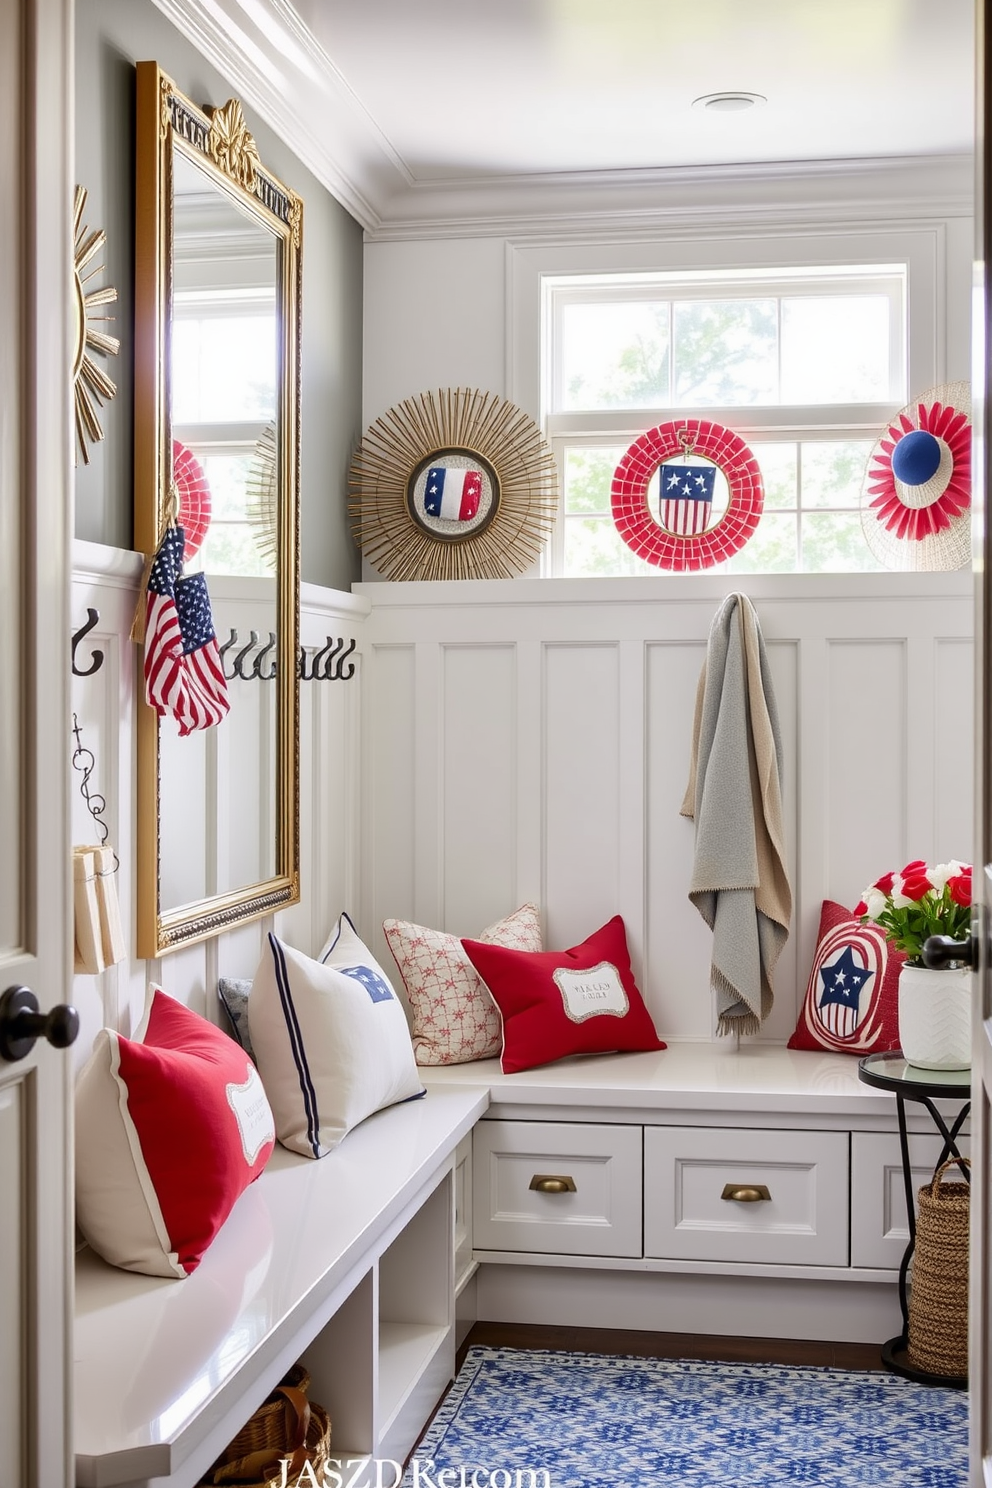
(217, 390)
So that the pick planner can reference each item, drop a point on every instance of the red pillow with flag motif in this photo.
(555, 1003)
(852, 999)
(171, 1127)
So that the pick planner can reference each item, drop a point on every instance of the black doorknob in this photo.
(940, 951)
(21, 1023)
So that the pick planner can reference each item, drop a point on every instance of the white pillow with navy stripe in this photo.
(331, 1040)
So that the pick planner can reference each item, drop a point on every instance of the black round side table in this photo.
(890, 1071)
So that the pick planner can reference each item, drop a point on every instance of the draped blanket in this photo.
(739, 880)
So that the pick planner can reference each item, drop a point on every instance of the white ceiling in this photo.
(467, 88)
(417, 110)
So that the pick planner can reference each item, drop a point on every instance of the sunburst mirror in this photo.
(457, 484)
(93, 388)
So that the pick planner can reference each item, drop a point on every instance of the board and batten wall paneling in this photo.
(953, 711)
(478, 766)
(581, 789)
(871, 675)
(866, 736)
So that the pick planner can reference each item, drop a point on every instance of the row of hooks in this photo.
(327, 663)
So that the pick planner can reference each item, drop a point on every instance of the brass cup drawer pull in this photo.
(745, 1193)
(552, 1183)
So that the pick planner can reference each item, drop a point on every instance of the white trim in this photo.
(281, 72)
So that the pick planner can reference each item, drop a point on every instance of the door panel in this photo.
(35, 473)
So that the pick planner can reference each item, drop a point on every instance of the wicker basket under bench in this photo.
(347, 1262)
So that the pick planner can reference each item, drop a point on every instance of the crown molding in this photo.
(279, 69)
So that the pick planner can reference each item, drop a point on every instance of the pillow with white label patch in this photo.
(171, 1127)
(331, 1040)
(555, 1003)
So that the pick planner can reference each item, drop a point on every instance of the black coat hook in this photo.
(256, 670)
(96, 661)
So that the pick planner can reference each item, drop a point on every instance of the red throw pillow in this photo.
(171, 1127)
(852, 1000)
(555, 1003)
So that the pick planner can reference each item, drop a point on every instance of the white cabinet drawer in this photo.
(517, 1166)
(803, 1221)
(879, 1232)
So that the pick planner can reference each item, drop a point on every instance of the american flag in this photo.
(452, 494)
(183, 672)
(685, 493)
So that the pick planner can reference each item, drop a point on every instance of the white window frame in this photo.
(756, 254)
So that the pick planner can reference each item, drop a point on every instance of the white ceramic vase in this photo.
(935, 1017)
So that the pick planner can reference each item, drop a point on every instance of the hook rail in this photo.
(254, 662)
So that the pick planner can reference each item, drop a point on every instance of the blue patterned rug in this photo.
(519, 1418)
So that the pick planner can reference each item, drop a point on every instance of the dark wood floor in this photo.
(675, 1345)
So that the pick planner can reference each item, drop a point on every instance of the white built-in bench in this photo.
(647, 1239)
(347, 1262)
(353, 1262)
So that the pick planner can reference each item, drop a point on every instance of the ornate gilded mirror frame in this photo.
(170, 131)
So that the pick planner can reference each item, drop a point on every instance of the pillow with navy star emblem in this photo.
(851, 1002)
(331, 1040)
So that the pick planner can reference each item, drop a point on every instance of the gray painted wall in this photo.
(111, 35)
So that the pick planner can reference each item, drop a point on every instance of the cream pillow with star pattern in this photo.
(852, 999)
(455, 1019)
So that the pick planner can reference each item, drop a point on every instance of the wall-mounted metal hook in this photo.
(318, 667)
(239, 660)
(222, 653)
(327, 669)
(342, 673)
(256, 670)
(92, 619)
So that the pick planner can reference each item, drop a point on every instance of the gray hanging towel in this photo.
(740, 884)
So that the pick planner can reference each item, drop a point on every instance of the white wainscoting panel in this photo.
(479, 725)
(530, 739)
(106, 702)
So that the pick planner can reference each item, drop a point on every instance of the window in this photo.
(806, 365)
(224, 390)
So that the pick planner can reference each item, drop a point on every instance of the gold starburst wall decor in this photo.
(262, 504)
(93, 388)
(457, 484)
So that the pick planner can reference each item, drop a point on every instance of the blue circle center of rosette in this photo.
(916, 457)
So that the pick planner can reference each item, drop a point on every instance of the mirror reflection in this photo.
(222, 372)
(216, 442)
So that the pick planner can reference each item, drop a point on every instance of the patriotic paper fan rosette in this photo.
(194, 497)
(916, 498)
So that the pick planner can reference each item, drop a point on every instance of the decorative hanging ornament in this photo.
(194, 497)
(457, 484)
(680, 537)
(916, 496)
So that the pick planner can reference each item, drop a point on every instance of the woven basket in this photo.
(938, 1303)
(285, 1425)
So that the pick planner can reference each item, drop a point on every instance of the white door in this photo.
(35, 471)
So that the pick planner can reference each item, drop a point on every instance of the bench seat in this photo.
(166, 1372)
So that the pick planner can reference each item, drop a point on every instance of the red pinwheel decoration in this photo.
(194, 497)
(917, 491)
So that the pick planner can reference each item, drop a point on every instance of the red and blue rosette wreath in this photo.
(916, 499)
(193, 491)
(683, 552)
